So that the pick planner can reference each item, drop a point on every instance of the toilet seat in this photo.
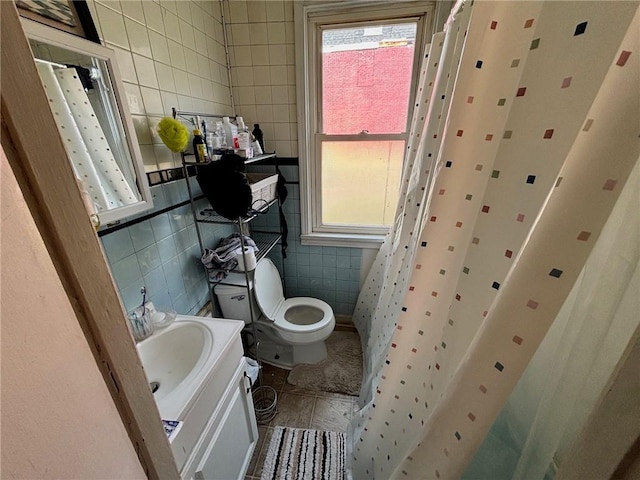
(280, 320)
(277, 309)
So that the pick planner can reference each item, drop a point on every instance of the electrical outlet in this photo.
(132, 100)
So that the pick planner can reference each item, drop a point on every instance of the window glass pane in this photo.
(360, 181)
(366, 78)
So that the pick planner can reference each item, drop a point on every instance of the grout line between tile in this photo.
(265, 444)
(313, 411)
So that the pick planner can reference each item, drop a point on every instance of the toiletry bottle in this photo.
(257, 133)
(257, 149)
(210, 141)
(199, 147)
(244, 137)
(230, 133)
(222, 141)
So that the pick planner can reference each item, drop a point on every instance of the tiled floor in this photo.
(299, 408)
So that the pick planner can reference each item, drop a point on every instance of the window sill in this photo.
(352, 240)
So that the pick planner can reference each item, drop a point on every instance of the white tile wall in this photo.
(170, 54)
(260, 35)
(153, 16)
(138, 37)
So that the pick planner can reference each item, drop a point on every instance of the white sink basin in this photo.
(173, 354)
(178, 358)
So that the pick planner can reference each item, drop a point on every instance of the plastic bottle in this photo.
(257, 133)
(211, 143)
(257, 149)
(230, 133)
(220, 134)
(244, 137)
(199, 147)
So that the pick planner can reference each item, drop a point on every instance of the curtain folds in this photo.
(509, 188)
(388, 276)
(565, 379)
(599, 318)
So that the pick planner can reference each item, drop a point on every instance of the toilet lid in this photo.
(268, 288)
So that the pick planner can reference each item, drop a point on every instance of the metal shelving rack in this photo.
(265, 241)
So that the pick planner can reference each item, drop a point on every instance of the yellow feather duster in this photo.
(174, 134)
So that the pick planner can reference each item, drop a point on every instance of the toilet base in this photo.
(288, 356)
(280, 356)
(310, 354)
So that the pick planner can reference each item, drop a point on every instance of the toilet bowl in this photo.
(290, 331)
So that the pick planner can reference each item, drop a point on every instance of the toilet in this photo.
(290, 331)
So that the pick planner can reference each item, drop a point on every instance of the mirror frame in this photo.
(58, 38)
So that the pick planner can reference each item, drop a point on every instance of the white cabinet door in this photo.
(228, 455)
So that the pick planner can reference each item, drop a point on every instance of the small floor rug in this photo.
(301, 454)
(340, 372)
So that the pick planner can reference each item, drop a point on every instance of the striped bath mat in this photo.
(300, 454)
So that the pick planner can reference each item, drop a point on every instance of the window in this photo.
(358, 72)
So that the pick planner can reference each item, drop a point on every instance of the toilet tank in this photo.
(234, 297)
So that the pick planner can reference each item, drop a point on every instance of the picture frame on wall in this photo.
(71, 16)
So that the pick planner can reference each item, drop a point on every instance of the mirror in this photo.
(83, 87)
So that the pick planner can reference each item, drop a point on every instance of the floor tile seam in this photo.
(271, 424)
(348, 418)
(300, 394)
(335, 397)
(313, 411)
(266, 445)
(262, 449)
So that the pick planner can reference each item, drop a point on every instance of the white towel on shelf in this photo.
(224, 256)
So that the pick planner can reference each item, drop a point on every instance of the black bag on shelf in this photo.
(225, 185)
(282, 195)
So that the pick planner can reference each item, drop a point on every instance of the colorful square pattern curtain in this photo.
(526, 129)
(541, 425)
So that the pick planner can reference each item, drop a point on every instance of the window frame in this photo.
(112, 95)
(309, 18)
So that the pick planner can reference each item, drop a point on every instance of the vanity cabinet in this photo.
(233, 438)
(229, 438)
(219, 433)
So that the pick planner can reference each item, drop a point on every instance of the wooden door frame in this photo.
(37, 157)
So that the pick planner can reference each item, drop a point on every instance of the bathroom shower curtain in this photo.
(84, 140)
(525, 130)
(535, 431)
